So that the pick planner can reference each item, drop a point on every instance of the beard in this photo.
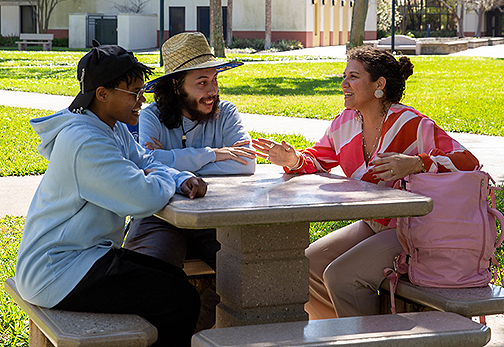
(190, 105)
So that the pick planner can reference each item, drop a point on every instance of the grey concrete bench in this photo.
(44, 40)
(468, 302)
(401, 43)
(66, 328)
(80, 329)
(420, 329)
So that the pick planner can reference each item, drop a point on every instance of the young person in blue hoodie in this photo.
(70, 256)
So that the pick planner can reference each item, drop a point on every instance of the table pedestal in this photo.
(262, 274)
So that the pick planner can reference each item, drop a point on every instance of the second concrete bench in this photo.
(468, 302)
(420, 329)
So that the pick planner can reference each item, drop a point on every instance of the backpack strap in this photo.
(400, 268)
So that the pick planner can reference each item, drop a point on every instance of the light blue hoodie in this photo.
(95, 178)
(199, 156)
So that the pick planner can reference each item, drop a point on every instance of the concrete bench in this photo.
(44, 40)
(66, 328)
(420, 329)
(81, 329)
(468, 302)
(494, 41)
(475, 43)
(401, 43)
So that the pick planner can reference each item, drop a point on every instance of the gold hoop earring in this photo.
(378, 93)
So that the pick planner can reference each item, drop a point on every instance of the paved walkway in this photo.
(16, 192)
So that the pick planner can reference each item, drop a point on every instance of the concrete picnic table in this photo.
(263, 222)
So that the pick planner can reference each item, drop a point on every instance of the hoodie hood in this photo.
(48, 127)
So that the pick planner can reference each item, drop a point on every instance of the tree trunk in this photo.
(212, 23)
(359, 13)
(460, 19)
(267, 36)
(218, 35)
(229, 28)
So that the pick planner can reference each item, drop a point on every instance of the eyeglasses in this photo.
(138, 94)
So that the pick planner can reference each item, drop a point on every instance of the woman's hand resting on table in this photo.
(392, 166)
(281, 154)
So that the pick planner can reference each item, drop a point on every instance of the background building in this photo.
(312, 22)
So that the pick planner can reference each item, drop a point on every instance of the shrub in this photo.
(62, 42)
(8, 41)
(380, 34)
(287, 45)
(437, 33)
(257, 44)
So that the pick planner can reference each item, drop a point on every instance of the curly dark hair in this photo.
(381, 63)
(168, 101)
(138, 70)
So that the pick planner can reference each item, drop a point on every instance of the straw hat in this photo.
(188, 51)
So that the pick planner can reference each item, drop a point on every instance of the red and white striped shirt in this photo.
(405, 130)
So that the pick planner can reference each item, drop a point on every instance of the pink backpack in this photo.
(453, 246)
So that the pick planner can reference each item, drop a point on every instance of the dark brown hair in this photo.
(168, 101)
(381, 63)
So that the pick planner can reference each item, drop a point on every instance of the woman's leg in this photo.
(124, 281)
(321, 253)
(353, 279)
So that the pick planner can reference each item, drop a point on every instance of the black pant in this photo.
(157, 238)
(125, 281)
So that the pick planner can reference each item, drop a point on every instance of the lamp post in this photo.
(392, 39)
(161, 31)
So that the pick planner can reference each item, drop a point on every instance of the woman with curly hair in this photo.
(379, 140)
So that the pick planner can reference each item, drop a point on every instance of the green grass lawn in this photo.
(462, 94)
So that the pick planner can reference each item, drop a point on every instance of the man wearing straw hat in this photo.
(189, 128)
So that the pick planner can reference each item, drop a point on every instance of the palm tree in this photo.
(216, 24)
(359, 13)
(229, 28)
(267, 37)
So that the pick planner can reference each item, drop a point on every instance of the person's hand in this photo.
(235, 152)
(392, 166)
(148, 171)
(154, 145)
(281, 154)
(194, 187)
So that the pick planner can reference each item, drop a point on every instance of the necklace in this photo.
(368, 154)
(184, 133)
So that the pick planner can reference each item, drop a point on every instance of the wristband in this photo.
(421, 162)
(296, 166)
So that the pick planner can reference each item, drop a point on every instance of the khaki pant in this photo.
(346, 270)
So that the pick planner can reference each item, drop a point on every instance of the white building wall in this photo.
(284, 17)
(372, 16)
(137, 30)
(10, 20)
(470, 23)
(77, 30)
(249, 15)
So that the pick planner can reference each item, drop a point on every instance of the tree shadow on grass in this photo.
(282, 86)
